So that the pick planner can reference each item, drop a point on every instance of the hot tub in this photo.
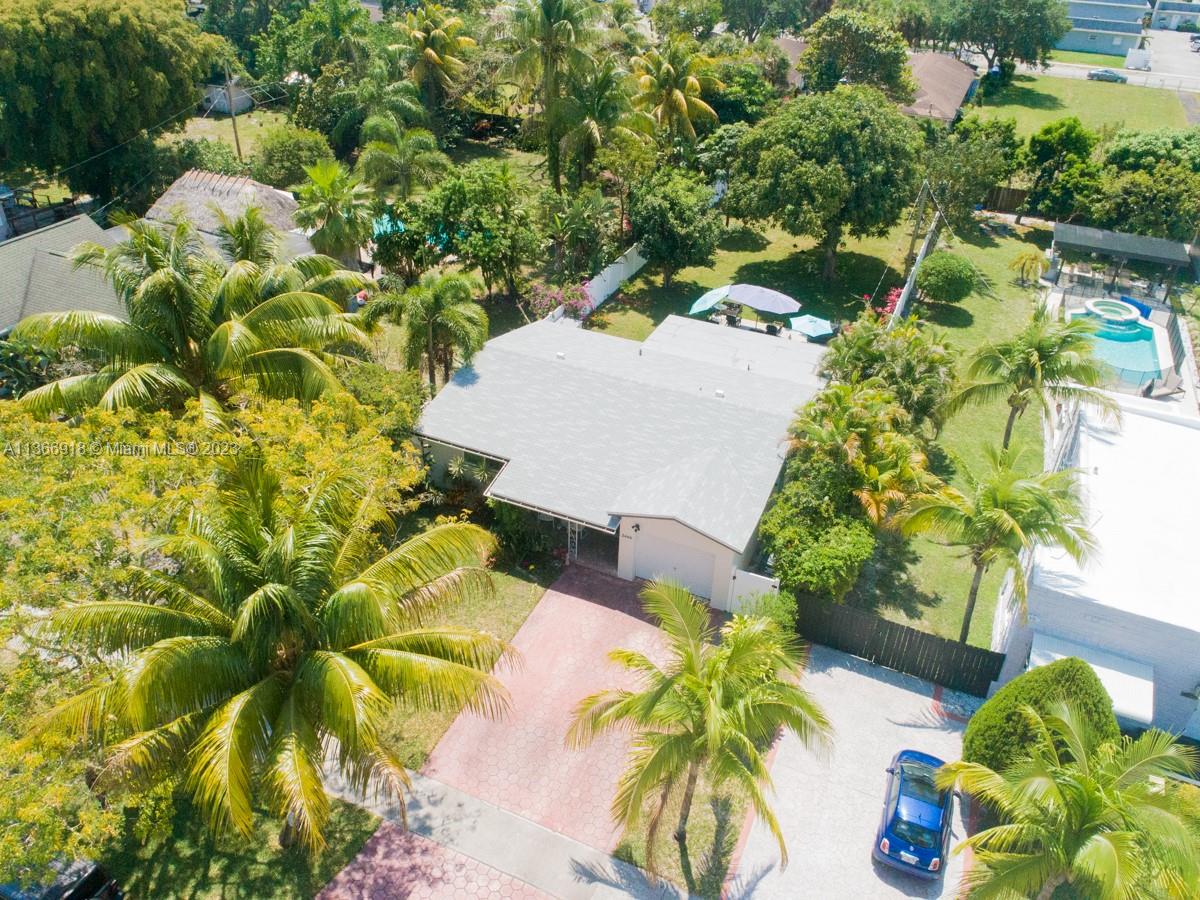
(1116, 312)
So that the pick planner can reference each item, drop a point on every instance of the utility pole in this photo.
(912, 244)
(237, 143)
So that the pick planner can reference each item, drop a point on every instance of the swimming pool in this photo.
(1128, 347)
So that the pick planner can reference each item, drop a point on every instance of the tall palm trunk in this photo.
(1013, 412)
(971, 598)
(431, 352)
(1051, 886)
(689, 792)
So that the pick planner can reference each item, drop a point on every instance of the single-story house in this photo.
(1130, 610)
(36, 274)
(1104, 26)
(199, 194)
(658, 458)
(1171, 14)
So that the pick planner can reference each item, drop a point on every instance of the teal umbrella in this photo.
(812, 326)
(710, 300)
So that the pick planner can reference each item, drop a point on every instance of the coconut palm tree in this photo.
(379, 93)
(199, 328)
(273, 656)
(1047, 362)
(337, 206)
(597, 105)
(1081, 813)
(434, 44)
(625, 34)
(670, 80)
(1001, 515)
(549, 38)
(441, 321)
(1029, 265)
(396, 160)
(341, 36)
(711, 708)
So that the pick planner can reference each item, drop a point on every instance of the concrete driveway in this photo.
(519, 763)
(1171, 53)
(829, 808)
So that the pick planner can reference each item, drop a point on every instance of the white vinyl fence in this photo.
(747, 586)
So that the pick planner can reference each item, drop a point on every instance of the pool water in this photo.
(1127, 345)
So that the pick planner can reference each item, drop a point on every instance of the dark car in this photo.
(80, 880)
(1107, 75)
(914, 833)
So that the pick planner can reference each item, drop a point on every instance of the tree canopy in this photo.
(850, 47)
(1010, 30)
(673, 221)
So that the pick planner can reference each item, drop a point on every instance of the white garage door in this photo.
(657, 557)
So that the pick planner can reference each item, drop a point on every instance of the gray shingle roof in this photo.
(943, 84)
(196, 192)
(36, 273)
(594, 427)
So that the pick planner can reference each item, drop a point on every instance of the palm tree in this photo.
(441, 322)
(1084, 814)
(199, 328)
(378, 93)
(597, 105)
(575, 224)
(342, 34)
(434, 45)
(275, 653)
(711, 708)
(625, 34)
(1047, 362)
(548, 39)
(1002, 515)
(670, 80)
(337, 206)
(1029, 265)
(396, 160)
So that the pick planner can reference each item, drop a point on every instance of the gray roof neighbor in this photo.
(943, 85)
(690, 425)
(36, 274)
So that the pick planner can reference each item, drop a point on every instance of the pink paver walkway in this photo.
(520, 763)
(400, 864)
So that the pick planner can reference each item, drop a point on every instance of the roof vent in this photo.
(720, 393)
(561, 355)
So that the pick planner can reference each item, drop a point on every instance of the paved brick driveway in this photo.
(396, 864)
(519, 763)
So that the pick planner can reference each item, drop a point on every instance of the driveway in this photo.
(829, 807)
(519, 762)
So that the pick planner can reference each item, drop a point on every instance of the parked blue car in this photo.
(914, 833)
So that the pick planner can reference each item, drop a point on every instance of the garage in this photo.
(657, 557)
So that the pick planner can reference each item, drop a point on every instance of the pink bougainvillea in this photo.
(573, 298)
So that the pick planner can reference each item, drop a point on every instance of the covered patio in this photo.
(1074, 255)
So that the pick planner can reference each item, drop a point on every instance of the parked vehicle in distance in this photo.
(1107, 75)
(80, 880)
(914, 832)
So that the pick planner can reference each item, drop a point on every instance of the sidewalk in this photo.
(504, 842)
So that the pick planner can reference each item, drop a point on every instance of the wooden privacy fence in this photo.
(948, 663)
(1005, 199)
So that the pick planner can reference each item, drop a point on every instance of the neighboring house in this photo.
(1098, 26)
(1173, 13)
(216, 99)
(944, 85)
(1131, 610)
(198, 195)
(656, 458)
(36, 274)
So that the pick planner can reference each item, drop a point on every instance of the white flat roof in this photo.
(690, 425)
(1129, 683)
(1141, 488)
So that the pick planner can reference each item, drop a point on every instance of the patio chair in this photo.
(732, 320)
(1170, 384)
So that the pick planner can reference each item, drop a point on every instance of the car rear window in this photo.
(917, 835)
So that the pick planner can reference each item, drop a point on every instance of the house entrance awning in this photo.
(1130, 683)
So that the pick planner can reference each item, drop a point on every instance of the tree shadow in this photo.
(743, 239)
(946, 315)
(708, 880)
(1023, 91)
(886, 580)
(799, 275)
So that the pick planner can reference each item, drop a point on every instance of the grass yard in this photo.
(1096, 60)
(414, 734)
(530, 167)
(713, 829)
(216, 127)
(188, 862)
(1036, 100)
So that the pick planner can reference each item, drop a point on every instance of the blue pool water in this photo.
(1128, 347)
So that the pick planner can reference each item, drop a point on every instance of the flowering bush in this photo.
(573, 298)
(890, 300)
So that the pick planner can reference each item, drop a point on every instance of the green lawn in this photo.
(188, 862)
(414, 734)
(1079, 58)
(1035, 100)
(216, 127)
(528, 166)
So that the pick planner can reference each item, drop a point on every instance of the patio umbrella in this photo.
(710, 300)
(763, 299)
(812, 326)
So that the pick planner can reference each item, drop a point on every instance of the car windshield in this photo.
(917, 835)
(918, 783)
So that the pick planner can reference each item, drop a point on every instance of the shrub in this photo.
(998, 734)
(780, 608)
(209, 156)
(946, 277)
(573, 298)
(395, 396)
(284, 152)
(520, 533)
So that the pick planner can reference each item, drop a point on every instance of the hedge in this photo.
(998, 735)
(946, 277)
